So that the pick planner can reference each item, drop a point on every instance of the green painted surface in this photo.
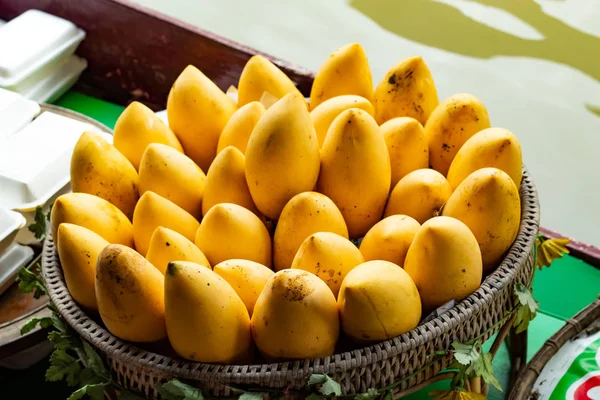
(102, 111)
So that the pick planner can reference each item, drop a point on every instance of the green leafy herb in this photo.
(465, 353)
(177, 390)
(389, 395)
(94, 362)
(63, 366)
(45, 322)
(329, 387)
(370, 394)
(472, 363)
(31, 282)
(129, 395)
(38, 228)
(527, 308)
(252, 396)
(94, 392)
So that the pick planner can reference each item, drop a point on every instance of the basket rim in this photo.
(514, 260)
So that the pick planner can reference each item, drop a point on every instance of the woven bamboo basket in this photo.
(411, 355)
(586, 321)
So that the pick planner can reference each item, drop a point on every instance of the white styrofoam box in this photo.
(32, 43)
(10, 223)
(15, 112)
(2, 22)
(57, 82)
(12, 260)
(35, 162)
(163, 116)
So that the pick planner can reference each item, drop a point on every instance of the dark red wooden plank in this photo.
(136, 53)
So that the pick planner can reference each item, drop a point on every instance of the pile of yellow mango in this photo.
(174, 232)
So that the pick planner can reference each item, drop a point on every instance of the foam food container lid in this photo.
(15, 112)
(35, 162)
(11, 261)
(10, 223)
(31, 41)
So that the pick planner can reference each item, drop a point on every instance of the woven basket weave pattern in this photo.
(374, 366)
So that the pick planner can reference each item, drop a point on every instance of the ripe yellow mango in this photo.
(230, 231)
(247, 278)
(130, 295)
(355, 169)
(329, 256)
(282, 157)
(98, 168)
(407, 146)
(444, 261)
(406, 90)
(239, 127)
(389, 239)
(198, 111)
(420, 194)
(345, 71)
(488, 203)
(378, 301)
(306, 213)
(136, 128)
(226, 181)
(173, 176)
(295, 317)
(94, 213)
(450, 125)
(78, 251)
(206, 320)
(259, 76)
(492, 147)
(153, 211)
(324, 114)
(166, 245)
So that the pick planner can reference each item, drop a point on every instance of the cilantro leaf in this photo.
(329, 387)
(389, 395)
(33, 322)
(31, 282)
(94, 362)
(252, 396)
(368, 395)
(94, 392)
(38, 228)
(527, 308)
(177, 390)
(465, 353)
(487, 372)
(63, 365)
(314, 396)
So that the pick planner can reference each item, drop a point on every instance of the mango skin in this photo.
(153, 211)
(295, 317)
(355, 170)
(345, 71)
(136, 128)
(389, 239)
(444, 250)
(239, 127)
(98, 168)
(94, 213)
(226, 181)
(324, 114)
(198, 111)
(201, 304)
(230, 231)
(378, 300)
(166, 245)
(407, 146)
(282, 157)
(450, 125)
(173, 176)
(406, 90)
(259, 76)
(488, 203)
(130, 295)
(492, 147)
(306, 213)
(329, 256)
(420, 195)
(78, 251)
(247, 278)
